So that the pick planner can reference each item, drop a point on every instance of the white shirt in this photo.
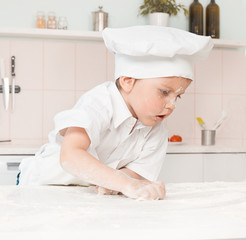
(103, 113)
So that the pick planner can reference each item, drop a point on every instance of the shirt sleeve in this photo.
(92, 112)
(150, 160)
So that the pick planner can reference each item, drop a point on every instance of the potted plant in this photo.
(160, 10)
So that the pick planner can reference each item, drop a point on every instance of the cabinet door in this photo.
(9, 168)
(182, 168)
(224, 167)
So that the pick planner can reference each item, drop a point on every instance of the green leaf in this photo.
(167, 6)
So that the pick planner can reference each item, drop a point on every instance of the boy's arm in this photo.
(131, 173)
(127, 171)
(76, 160)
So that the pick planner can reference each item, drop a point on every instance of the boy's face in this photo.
(152, 100)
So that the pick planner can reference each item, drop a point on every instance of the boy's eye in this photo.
(164, 92)
(179, 96)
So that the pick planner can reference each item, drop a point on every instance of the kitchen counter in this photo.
(28, 149)
(190, 211)
(198, 148)
(18, 149)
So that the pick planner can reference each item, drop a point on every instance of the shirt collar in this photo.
(121, 112)
(145, 129)
(120, 109)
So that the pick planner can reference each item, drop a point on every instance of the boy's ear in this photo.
(127, 83)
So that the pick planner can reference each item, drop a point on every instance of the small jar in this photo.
(62, 23)
(40, 20)
(51, 23)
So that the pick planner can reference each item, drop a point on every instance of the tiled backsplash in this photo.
(54, 74)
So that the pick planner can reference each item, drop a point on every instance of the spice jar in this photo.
(40, 20)
(62, 23)
(51, 23)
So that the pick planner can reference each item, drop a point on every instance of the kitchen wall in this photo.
(21, 14)
(53, 74)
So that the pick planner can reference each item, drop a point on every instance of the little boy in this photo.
(115, 136)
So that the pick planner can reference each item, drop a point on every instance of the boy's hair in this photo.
(117, 82)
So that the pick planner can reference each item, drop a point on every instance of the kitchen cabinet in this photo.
(182, 168)
(182, 163)
(224, 167)
(9, 168)
(203, 167)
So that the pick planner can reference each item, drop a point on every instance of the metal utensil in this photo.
(13, 82)
(201, 122)
(5, 82)
(221, 119)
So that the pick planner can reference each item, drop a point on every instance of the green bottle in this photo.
(213, 20)
(196, 18)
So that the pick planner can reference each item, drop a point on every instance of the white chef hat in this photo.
(153, 51)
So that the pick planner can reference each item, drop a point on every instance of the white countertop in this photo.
(20, 149)
(28, 149)
(190, 211)
(198, 148)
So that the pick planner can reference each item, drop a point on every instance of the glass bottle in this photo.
(196, 18)
(213, 20)
(51, 23)
(40, 20)
(62, 23)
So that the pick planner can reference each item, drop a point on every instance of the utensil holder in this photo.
(208, 137)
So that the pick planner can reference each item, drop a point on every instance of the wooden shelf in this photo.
(88, 35)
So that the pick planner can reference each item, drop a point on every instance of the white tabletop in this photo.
(190, 211)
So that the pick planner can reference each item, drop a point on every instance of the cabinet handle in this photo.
(13, 166)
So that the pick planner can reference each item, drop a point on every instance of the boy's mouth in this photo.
(160, 117)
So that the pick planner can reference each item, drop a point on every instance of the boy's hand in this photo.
(139, 189)
(105, 191)
(145, 190)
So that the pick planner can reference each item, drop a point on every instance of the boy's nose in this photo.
(171, 104)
